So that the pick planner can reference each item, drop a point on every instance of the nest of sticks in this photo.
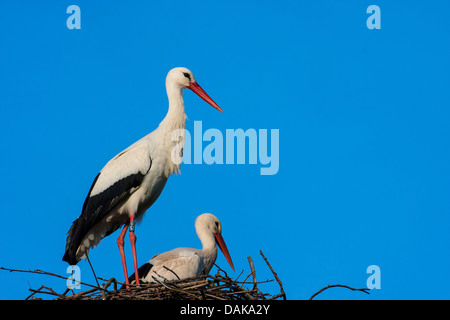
(207, 287)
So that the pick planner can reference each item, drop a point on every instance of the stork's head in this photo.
(213, 224)
(181, 76)
(210, 221)
(184, 78)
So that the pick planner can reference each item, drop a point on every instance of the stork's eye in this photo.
(187, 75)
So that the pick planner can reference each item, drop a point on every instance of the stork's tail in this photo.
(72, 245)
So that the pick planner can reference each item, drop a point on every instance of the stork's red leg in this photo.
(133, 247)
(120, 243)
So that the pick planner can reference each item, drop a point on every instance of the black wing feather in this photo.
(143, 272)
(95, 208)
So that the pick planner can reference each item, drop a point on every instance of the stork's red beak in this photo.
(194, 86)
(224, 249)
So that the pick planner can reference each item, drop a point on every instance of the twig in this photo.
(220, 269)
(253, 273)
(283, 294)
(365, 290)
(92, 268)
(172, 272)
(49, 291)
(33, 292)
(44, 273)
(175, 289)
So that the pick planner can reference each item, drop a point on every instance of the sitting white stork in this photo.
(132, 181)
(184, 263)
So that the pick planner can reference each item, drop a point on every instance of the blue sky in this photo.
(364, 136)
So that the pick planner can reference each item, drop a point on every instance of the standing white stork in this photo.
(184, 263)
(132, 181)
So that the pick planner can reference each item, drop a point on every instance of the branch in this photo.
(365, 290)
(253, 273)
(282, 293)
(48, 274)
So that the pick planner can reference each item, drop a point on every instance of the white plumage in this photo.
(184, 263)
(132, 181)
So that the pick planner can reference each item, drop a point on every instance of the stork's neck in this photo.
(209, 250)
(206, 237)
(172, 129)
(176, 117)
